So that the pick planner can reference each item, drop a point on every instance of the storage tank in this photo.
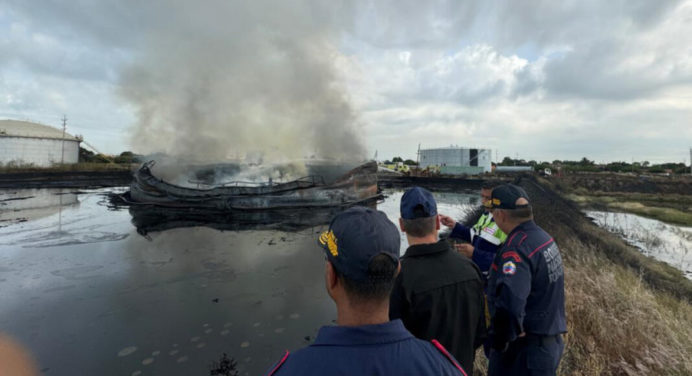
(27, 143)
(457, 160)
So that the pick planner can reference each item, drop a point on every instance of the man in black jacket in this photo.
(439, 292)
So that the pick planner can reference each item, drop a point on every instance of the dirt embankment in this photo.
(618, 182)
(436, 183)
(65, 179)
(665, 198)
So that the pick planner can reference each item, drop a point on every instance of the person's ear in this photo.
(401, 224)
(437, 222)
(497, 213)
(330, 277)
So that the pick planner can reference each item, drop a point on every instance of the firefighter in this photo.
(526, 293)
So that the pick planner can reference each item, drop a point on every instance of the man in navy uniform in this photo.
(362, 251)
(526, 291)
(439, 293)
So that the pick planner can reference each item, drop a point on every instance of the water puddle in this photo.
(668, 243)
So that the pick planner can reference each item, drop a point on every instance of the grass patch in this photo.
(662, 214)
(673, 209)
(617, 324)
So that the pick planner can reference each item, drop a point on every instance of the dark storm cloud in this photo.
(537, 71)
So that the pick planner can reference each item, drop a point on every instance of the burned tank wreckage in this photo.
(158, 205)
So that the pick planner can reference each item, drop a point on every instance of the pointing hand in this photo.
(447, 221)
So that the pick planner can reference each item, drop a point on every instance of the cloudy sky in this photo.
(543, 80)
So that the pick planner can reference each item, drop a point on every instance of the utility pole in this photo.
(418, 155)
(64, 126)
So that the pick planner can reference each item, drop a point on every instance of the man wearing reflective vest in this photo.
(526, 291)
(485, 237)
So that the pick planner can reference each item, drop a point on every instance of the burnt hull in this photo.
(356, 186)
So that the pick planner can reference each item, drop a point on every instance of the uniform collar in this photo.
(427, 249)
(524, 226)
(392, 331)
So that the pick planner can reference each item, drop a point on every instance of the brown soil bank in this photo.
(65, 179)
(435, 183)
(627, 314)
(619, 182)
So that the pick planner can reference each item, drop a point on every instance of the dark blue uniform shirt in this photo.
(527, 281)
(383, 349)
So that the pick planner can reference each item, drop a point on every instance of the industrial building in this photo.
(455, 160)
(513, 168)
(27, 143)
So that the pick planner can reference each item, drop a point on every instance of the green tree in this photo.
(397, 159)
(586, 162)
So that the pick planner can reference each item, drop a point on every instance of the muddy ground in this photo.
(65, 179)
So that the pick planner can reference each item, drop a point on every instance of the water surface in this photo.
(87, 294)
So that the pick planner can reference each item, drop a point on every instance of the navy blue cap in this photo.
(355, 236)
(506, 196)
(418, 202)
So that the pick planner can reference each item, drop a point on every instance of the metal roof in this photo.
(17, 128)
(455, 147)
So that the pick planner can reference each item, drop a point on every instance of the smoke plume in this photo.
(224, 80)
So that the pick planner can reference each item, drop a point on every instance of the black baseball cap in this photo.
(505, 197)
(355, 236)
(417, 202)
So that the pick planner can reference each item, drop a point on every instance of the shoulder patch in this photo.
(279, 364)
(513, 254)
(446, 353)
(509, 268)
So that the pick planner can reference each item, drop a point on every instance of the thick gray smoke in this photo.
(224, 79)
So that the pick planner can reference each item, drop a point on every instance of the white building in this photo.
(457, 160)
(26, 143)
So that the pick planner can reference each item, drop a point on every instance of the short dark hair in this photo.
(521, 213)
(381, 275)
(419, 227)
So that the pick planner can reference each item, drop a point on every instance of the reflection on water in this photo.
(88, 295)
(150, 218)
(20, 205)
(48, 218)
(669, 243)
